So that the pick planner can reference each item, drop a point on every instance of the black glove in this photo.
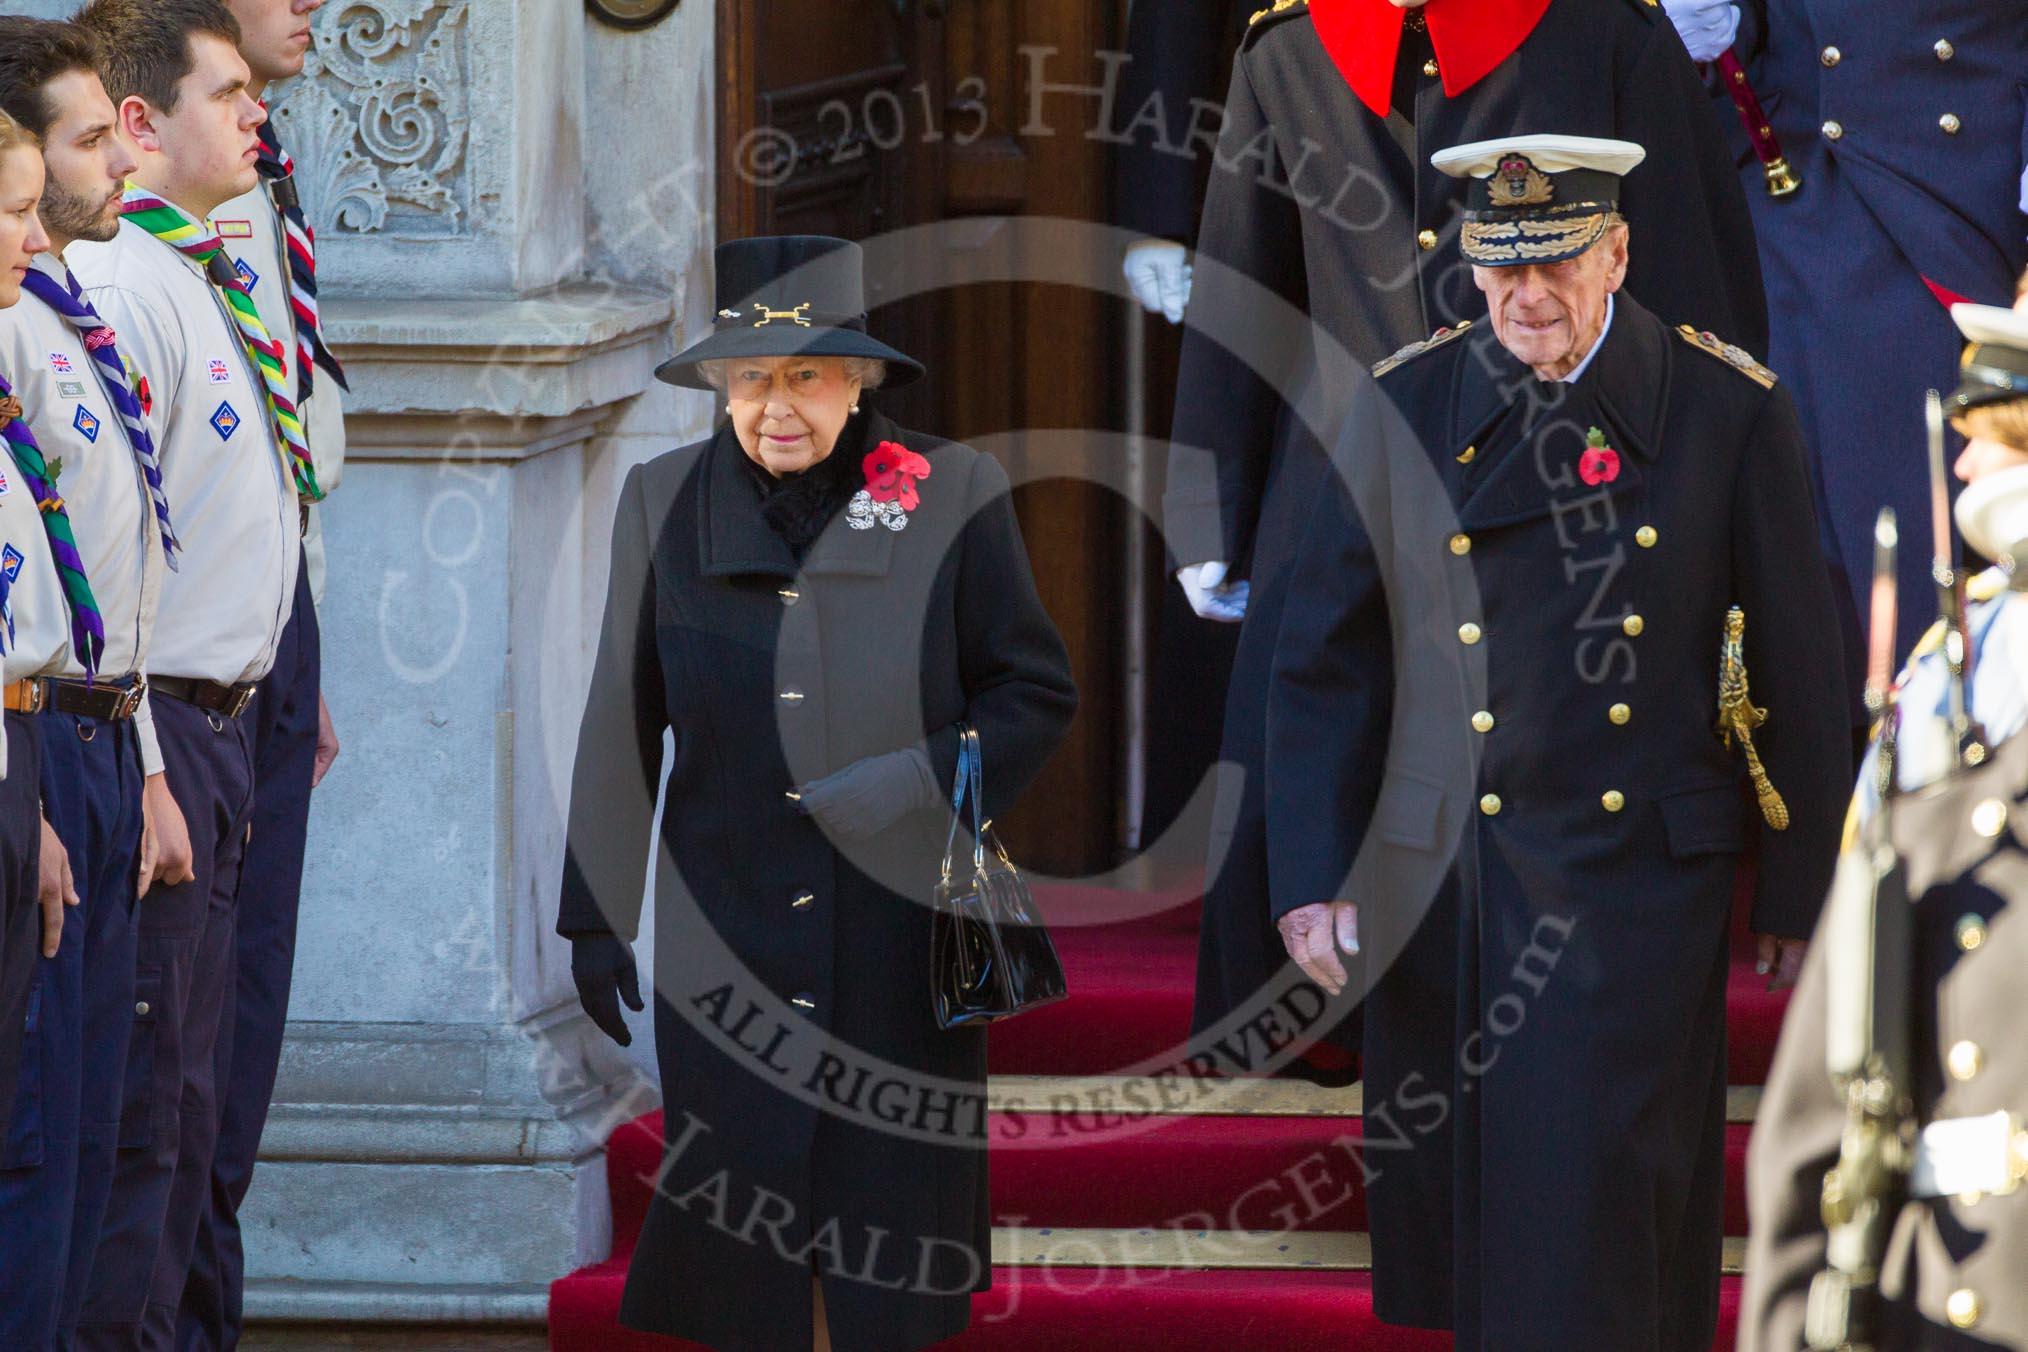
(868, 796)
(603, 967)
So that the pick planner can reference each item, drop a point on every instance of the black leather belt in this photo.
(103, 701)
(230, 700)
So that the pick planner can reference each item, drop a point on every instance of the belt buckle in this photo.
(242, 697)
(130, 700)
(38, 695)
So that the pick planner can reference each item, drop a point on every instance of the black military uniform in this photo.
(1325, 210)
(1529, 648)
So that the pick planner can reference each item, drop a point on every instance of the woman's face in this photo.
(788, 411)
(21, 233)
(1983, 455)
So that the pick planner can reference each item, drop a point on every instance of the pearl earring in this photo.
(855, 408)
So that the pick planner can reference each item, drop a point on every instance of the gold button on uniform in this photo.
(1429, 68)
(1490, 805)
(1950, 123)
(1461, 545)
(1619, 714)
(1614, 800)
(1832, 131)
(1963, 1308)
(1482, 721)
(1944, 50)
(1989, 818)
(1632, 626)
(1971, 933)
(1964, 1061)
(1468, 634)
(1426, 239)
(1646, 536)
(1831, 56)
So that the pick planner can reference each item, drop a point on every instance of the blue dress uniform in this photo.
(1181, 57)
(1907, 127)
(1510, 696)
(1321, 203)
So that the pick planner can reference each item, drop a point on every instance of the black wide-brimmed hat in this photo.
(1537, 199)
(1995, 366)
(786, 296)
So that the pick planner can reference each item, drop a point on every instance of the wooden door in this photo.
(856, 117)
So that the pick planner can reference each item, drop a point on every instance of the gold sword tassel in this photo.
(1738, 717)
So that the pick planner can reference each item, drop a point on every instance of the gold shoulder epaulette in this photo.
(1987, 585)
(1278, 7)
(1414, 350)
(1736, 357)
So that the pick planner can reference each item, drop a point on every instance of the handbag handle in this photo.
(971, 775)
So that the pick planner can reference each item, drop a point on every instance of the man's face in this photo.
(210, 141)
(274, 35)
(88, 164)
(1549, 314)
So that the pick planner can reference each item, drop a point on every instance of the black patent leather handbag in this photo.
(990, 954)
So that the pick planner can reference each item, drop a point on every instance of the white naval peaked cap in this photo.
(1550, 154)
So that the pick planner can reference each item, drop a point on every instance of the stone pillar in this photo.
(512, 207)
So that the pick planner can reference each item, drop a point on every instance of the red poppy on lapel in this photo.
(1471, 38)
(891, 474)
(1600, 463)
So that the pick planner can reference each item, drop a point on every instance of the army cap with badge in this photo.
(1538, 198)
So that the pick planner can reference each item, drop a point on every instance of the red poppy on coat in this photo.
(892, 470)
(1471, 37)
(1599, 465)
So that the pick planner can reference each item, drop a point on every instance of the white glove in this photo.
(1708, 26)
(1210, 596)
(1159, 272)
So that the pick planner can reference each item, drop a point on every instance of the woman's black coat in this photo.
(787, 962)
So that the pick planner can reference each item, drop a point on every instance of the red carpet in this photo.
(1131, 981)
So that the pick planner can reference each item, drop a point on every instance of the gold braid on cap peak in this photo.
(1512, 241)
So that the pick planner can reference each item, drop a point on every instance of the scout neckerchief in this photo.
(1471, 37)
(67, 299)
(87, 626)
(200, 243)
(279, 170)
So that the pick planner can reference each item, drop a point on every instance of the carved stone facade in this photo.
(379, 121)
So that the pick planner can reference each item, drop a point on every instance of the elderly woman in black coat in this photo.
(814, 601)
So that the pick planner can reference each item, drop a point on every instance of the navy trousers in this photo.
(184, 975)
(20, 917)
(284, 718)
(62, 1142)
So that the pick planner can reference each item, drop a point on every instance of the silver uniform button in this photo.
(1833, 130)
(1944, 50)
(1950, 123)
(141, 1008)
(1831, 56)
